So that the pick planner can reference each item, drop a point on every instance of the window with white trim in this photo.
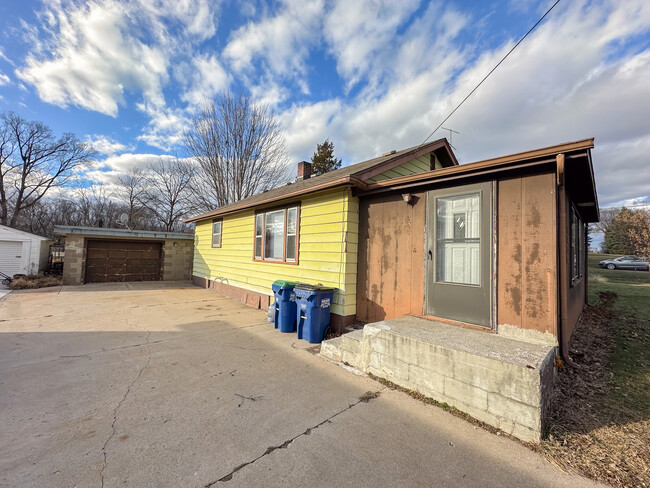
(216, 232)
(276, 235)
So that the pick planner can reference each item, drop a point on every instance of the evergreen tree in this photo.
(323, 160)
(617, 237)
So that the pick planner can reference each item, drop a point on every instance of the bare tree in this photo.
(166, 191)
(607, 215)
(32, 161)
(130, 191)
(240, 150)
(83, 206)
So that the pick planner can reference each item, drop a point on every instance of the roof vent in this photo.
(389, 153)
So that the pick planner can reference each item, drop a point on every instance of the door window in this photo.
(458, 239)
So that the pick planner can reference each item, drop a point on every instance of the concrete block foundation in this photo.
(501, 381)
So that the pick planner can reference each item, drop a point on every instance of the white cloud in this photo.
(358, 31)
(3, 56)
(108, 170)
(106, 145)
(4, 79)
(207, 78)
(404, 66)
(95, 55)
(571, 79)
(280, 43)
(165, 128)
(310, 124)
(95, 59)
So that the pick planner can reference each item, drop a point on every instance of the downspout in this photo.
(585, 267)
(563, 333)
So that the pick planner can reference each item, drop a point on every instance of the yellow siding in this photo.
(418, 165)
(324, 220)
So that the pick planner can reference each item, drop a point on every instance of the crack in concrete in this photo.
(126, 394)
(201, 332)
(365, 398)
(77, 356)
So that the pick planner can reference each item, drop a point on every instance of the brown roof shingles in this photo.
(340, 177)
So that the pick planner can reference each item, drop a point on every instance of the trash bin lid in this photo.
(307, 287)
(285, 283)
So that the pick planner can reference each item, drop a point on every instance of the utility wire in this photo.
(491, 71)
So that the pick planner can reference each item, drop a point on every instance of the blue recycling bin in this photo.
(313, 311)
(285, 305)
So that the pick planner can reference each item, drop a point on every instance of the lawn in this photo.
(600, 420)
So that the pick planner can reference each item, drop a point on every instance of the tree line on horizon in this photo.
(626, 231)
(236, 149)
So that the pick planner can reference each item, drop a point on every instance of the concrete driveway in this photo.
(167, 385)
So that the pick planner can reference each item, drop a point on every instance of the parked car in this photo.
(626, 262)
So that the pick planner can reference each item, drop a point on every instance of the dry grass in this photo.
(600, 419)
(35, 281)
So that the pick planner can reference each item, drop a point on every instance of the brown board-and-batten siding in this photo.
(391, 257)
(527, 254)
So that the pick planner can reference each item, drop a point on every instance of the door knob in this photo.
(430, 254)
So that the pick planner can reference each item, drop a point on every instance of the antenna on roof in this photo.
(451, 131)
(124, 220)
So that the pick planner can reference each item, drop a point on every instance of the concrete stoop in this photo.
(501, 381)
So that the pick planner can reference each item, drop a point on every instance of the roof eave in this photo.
(350, 180)
(407, 156)
(536, 156)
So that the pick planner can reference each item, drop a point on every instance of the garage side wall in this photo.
(73, 263)
(177, 260)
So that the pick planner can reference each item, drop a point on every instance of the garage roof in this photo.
(65, 230)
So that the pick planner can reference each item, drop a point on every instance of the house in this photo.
(100, 254)
(480, 265)
(22, 252)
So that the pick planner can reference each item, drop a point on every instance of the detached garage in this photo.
(100, 255)
(22, 252)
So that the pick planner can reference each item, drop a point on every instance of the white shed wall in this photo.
(33, 255)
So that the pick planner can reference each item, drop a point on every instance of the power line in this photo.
(491, 71)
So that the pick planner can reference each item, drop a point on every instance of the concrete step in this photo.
(351, 347)
(332, 348)
(503, 382)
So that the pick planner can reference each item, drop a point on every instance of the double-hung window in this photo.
(276, 235)
(216, 233)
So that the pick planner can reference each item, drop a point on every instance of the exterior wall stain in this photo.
(526, 268)
(391, 257)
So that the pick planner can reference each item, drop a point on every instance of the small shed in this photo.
(97, 254)
(22, 252)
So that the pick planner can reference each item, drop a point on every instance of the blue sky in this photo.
(369, 75)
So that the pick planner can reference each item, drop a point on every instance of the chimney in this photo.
(304, 170)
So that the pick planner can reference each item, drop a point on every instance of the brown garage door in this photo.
(122, 261)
